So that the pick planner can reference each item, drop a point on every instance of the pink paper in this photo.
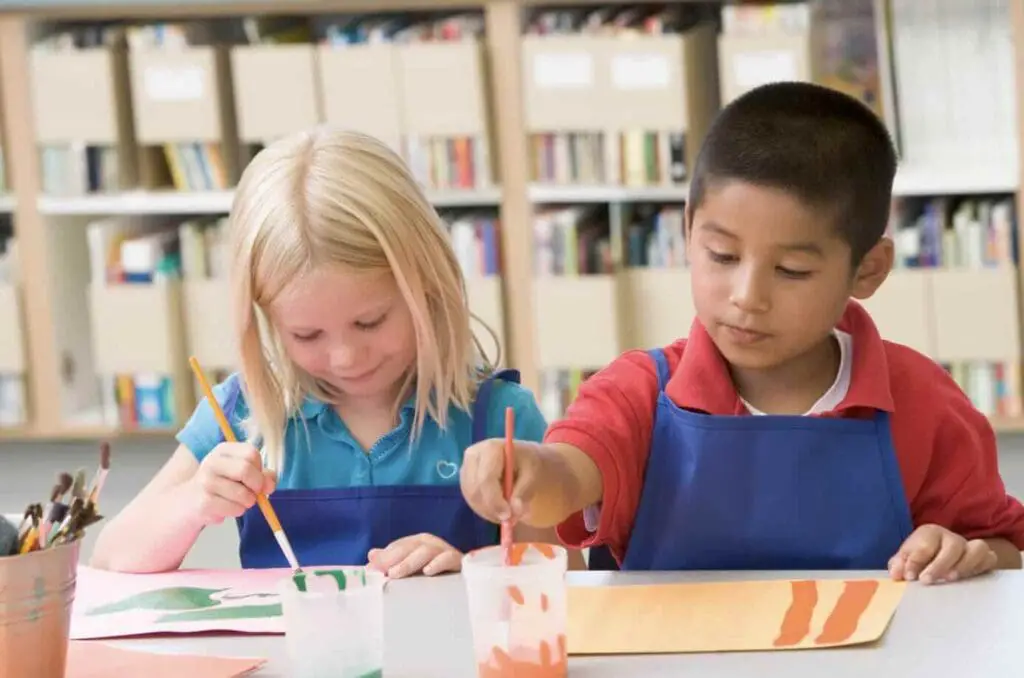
(113, 605)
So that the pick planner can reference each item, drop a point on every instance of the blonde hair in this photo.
(327, 197)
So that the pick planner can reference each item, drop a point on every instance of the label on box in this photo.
(164, 83)
(753, 69)
(563, 71)
(640, 71)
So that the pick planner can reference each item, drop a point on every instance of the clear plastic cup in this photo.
(335, 627)
(518, 612)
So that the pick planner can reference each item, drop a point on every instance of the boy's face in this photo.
(770, 275)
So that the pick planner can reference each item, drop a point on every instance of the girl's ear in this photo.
(873, 269)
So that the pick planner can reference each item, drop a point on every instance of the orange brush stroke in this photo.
(797, 622)
(516, 594)
(850, 607)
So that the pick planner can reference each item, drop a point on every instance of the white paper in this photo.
(753, 69)
(173, 84)
(640, 71)
(563, 70)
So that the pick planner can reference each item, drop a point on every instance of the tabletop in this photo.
(966, 628)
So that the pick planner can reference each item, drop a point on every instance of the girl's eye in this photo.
(371, 325)
(796, 275)
(307, 337)
(721, 258)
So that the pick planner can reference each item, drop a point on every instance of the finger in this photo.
(413, 562)
(978, 558)
(269, 481)
(485, 487)
(216, 509)
(396, 552)
(449, 560)
(951, 550)
(244, 471)
(919, 550)
(232, 491)
(522, 489)
(897, 567)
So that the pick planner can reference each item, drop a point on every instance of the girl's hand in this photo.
(416, 553)
(228, 480)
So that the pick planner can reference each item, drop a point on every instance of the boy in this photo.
(875, 458)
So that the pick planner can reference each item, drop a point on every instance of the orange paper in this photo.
(90, 659)
(730, 616)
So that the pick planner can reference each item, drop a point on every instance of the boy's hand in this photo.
(934, 554)
(228, 480)
(416, 553)
(482, 479)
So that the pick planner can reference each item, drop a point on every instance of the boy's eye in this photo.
(372, 324)
(307, 337)
(720, 258)
(790, 273)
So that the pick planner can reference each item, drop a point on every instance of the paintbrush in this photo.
(101, 474)
(261, 499)
(506, 525)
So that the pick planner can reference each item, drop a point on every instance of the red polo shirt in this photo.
(945, 447)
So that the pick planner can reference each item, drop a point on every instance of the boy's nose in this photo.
(750, 294)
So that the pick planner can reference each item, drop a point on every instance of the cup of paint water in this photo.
(37, 590)
(518, 612)
(334, 622)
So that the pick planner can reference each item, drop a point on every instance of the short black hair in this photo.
(824, 147)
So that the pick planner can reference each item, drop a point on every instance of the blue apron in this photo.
(339, 526)
(767, 492)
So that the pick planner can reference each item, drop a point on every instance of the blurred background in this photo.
(556, 140)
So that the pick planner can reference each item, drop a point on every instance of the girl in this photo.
(361, 382)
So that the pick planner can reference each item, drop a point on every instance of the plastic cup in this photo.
(518, 612)
(37, 591)
(335, 627)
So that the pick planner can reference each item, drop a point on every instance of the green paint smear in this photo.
(379, 673)
(338, 575)
(300, 581)
(175, 598)
(223, 613)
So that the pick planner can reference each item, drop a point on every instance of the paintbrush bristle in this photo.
(105, 455)
(66, 481)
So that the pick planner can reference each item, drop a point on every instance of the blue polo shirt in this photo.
(321, 453)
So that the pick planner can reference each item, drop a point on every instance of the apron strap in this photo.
(661, 364)
(482, 404)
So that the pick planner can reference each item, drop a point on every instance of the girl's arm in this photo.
(155, 531)
(547, 535)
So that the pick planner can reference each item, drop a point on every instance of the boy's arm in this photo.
(595, 457)
(963, 490)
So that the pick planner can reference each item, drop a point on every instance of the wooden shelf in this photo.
(207, 202)
(955, 180)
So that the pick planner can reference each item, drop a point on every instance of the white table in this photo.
(971, 628)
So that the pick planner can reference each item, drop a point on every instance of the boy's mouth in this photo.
(742, 335)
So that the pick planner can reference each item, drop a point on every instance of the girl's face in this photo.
(351, 329)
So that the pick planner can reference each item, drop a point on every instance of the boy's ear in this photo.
(874, 268)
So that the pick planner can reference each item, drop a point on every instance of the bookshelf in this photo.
(170, 120)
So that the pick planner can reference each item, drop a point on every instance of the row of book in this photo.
(13, 411)
(954, 232)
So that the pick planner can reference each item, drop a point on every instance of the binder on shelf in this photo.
(81, 96)
(657, 306)
(975, 314)
(183, 96)
(443, 88)
(578, 321)
(483, 295)
(748, 61)
(561, 90)
(360, 89)
(902, 309)
(267, 76)
(210, 333)
(12, 342)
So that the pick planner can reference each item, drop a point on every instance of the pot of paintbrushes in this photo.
(39, 553)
